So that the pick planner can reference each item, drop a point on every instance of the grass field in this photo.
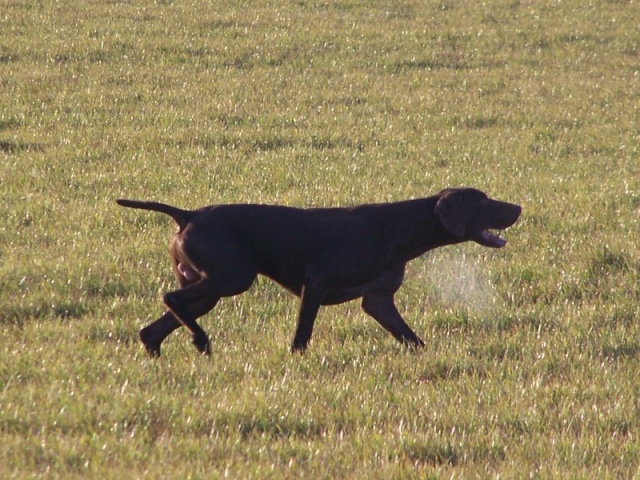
(531, 367)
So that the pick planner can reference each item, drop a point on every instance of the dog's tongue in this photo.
(492, 240)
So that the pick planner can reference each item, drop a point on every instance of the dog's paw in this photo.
(414, 343)
(152, 348)
(202, 343)
(298, 348)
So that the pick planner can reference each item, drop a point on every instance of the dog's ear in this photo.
(451, 211)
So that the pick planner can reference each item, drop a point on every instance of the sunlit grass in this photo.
(530, 367)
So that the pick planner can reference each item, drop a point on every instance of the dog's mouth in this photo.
(490, 239)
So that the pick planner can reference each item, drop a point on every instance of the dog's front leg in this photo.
(311, 298)
(383, 309)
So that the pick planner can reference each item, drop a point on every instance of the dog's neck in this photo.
(424, 230)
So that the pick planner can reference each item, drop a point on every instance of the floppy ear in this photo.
(452, 213)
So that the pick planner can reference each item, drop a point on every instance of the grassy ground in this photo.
(532, 356)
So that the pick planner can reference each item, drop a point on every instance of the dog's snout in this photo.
(505, 214)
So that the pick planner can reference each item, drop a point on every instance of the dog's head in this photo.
(470, 214)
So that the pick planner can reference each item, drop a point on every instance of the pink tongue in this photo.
(493, 239)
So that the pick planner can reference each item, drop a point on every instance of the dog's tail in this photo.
(182, 217)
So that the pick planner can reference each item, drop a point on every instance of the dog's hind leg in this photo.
(190, 303)
(198, 298)
(154, 334)
(382, 308)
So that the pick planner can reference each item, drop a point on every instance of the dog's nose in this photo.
(517, 210)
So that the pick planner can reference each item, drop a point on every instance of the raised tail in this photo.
(182, 217)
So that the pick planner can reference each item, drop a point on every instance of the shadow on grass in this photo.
(13, 147)
(621, 351)
(19, 315)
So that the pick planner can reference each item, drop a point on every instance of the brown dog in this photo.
(325, 256)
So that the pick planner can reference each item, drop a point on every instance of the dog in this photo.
(325, 256)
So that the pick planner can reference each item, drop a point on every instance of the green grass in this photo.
(533, 352)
